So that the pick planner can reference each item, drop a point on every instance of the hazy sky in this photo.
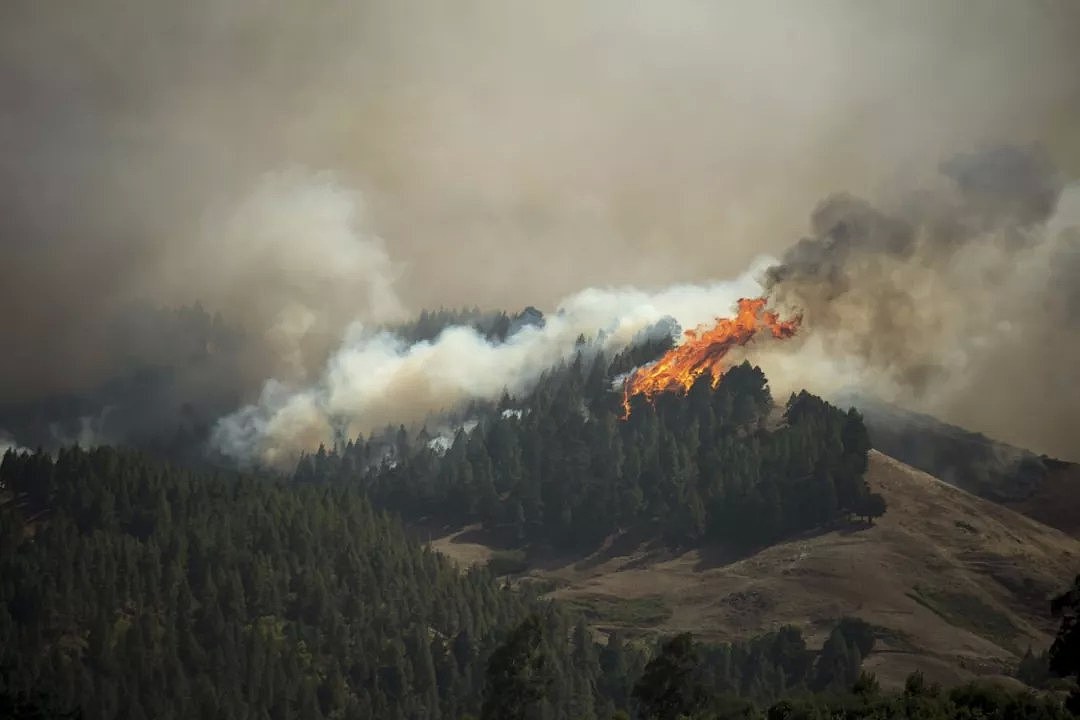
(269, 158)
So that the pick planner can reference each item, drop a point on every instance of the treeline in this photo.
(132, 589)
(776, 664)
(175, 371)
(129, 588)
(495, 326)
(673, 688)
(679, 683)
(562, 467)
(137, 590)
(969, 460)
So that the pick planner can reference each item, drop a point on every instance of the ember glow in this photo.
(703, 350)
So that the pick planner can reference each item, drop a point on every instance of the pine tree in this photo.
(518, 673)
(670, 686)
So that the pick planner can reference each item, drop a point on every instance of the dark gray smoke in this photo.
(1006, 187)
(960, 299)
(1007, 190)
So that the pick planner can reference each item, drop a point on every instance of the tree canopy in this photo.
(561, 466)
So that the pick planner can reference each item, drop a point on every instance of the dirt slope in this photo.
(958, 585)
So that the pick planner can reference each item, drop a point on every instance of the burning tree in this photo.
(703, 351)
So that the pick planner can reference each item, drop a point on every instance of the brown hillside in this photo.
(958, 585)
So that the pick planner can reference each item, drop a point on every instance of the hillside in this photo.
(954, 582)
(1039, 487)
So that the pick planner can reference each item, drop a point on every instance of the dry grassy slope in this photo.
(959, 584)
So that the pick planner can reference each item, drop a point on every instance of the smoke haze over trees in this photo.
(298, 170)
(559, 467)
(283, 285)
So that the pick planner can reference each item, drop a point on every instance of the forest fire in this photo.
(704, 351)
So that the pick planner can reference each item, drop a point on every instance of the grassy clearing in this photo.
(507, 562)
(540, 585)
(640, 612)
(969, 613)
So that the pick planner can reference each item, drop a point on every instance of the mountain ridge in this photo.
(1038, 486)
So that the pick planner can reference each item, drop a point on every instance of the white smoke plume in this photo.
(376, 377)
(90, 432)
(295, 251)
(7, 442)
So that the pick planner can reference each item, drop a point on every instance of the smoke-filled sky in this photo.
(298, 167)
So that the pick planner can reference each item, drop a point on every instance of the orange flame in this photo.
(704, 350)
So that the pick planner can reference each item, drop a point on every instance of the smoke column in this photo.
(7, 443)
(959, 301)
(376, 378)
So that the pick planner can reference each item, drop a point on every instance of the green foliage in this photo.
(858, 633)
(142, 590)
(671, 686)
(133, 589)
(762, 669)
(561, 466)
(519, 673)
(871, 507)
(1065, 652)
(640, 612)
(837, 668)
(1034, 670)
(137, 590)
(866, 685)
(915, 685)
(37, 706)
(918, 701)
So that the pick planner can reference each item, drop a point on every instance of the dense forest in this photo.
(129, 588)
(134, 588)
(562, 466)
